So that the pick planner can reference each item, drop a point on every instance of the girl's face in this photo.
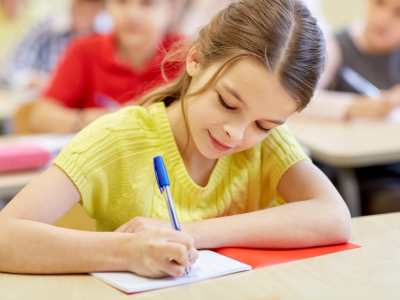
(383, 24)
(238, 111)
(84, 13)
(140, 23)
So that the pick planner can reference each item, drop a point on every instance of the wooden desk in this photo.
(347, 145)
(370, 272)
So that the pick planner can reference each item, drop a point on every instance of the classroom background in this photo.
(42, 105)
(65, 63)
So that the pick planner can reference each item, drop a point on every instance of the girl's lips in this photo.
(217, 144)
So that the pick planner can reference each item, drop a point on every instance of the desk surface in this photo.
(370, 272)
(12, 183)
(11, 101)
(348, 144)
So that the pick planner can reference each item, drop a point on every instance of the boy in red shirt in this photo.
(100, 73)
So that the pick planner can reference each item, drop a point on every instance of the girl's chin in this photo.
(211, 153)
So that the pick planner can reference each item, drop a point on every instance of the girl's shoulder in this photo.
(279, 150)
(282, 145)
(129, 130)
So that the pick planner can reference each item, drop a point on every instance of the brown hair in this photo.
(281, 34)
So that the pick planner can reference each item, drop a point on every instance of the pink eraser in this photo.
(18, 157)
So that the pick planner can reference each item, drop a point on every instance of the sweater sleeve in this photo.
(97, 160)
(280, 151)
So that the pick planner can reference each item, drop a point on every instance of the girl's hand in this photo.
(91, 114)
(139, 224)
(159, 253)
(156, 246)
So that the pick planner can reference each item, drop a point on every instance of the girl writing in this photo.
(230, 160)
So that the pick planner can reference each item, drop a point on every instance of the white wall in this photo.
(340, 13)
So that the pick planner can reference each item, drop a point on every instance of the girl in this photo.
(220, 129)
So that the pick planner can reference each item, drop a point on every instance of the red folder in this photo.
(258, 258)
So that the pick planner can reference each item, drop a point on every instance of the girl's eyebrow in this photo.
(277, 122)
(236, 95)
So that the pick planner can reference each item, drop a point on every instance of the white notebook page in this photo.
(208, 265)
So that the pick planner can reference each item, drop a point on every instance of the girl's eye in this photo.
(223, 103)
(262, 128)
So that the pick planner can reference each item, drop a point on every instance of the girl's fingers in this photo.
(172, 268)
(193, 255)
(123, 227)
(177, 237)
(176, 252)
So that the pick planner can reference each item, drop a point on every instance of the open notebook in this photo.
(208, 265)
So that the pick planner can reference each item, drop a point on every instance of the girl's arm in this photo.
(29, 243)
(315, 215)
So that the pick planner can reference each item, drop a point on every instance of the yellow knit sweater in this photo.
(111, 163)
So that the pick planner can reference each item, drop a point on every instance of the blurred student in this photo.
(36, 55)
(13, 13)
(102, 72)
(16, 17)
(372, 49)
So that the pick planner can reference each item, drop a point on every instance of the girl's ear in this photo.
(192, 62)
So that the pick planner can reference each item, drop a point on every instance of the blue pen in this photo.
(359, 83)
(163, 184)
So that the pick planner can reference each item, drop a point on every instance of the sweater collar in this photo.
(173, 158)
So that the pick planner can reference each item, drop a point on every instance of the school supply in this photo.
(217, 263)
(17, 158)
(359, 83)
(366, 88)
(208, 265)
(163, 184)
(31, 152)
(258, 258)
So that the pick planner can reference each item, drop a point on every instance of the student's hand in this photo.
(160, 252)
(91, 114)
(373, 108)
(139, 224)
(394, 95)
(38, 82)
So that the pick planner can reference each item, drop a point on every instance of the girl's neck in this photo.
(197, 165)
(137, 57)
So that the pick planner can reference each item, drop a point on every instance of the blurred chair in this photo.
(76, 219)
(20, 124)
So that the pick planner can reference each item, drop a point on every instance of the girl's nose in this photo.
(235, 133)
